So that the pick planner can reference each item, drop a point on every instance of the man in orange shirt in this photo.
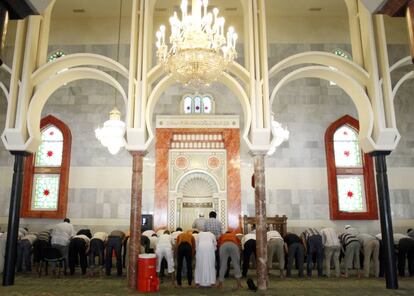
(229, 247)
(185, 246)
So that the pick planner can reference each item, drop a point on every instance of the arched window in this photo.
(351, 182)
(55, 55)
(197, 104)
(46, 173)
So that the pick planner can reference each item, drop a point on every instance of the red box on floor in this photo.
(147, 280)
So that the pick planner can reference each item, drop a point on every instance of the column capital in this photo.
(254, 153)
(138, 153)
(21, 153)
(380, 153)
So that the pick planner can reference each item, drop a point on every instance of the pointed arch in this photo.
(342, 175)
(44, 174)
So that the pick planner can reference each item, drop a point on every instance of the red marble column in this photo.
(135, 217)
(261, 227)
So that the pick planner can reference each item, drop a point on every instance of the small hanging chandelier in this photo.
(200, 51)
(112, 134)
(279, 135)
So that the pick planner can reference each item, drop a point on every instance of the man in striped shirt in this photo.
(39, 246)
(351, 247)
(312, 240)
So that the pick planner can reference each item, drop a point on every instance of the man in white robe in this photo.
(205, 270)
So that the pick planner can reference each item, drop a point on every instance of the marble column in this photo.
(261, 227)
(135, 217)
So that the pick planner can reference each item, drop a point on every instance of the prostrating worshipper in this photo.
(248, 244)
(164, 251)
(145, 244)
(97, 249)
(351, 247)
(275, 248)
(370, 247)
(205, 272)
(185, 249)
(312, 240)
(405, 247)
(78, 248)
(199, 222)
(61, 235)
(331, 249)
(24, 251)
(295, 250)
(86, 232)
(40, 245)
(229, 248)
(152, 236)
(175, 234)
(161, 231)
(115, 242)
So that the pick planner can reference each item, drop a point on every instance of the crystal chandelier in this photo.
(111, 135)
(199, 51)
(279, 135)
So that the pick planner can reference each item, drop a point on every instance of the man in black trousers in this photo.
(295, 250)
(115, 241)
(78, 246)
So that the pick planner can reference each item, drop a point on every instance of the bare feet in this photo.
(219, 285)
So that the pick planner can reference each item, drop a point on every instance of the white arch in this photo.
(45, 89)
(407, 76)
(184, 176)
(2, 86)
(5, 91)
(167, 81)
(401, 63)
(322, 58)
(76, 60)
(350, 86)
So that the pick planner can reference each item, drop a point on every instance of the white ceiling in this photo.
(110, 8)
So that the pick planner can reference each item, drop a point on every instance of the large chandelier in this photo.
(279, 135)
(199, 51)
(111, 135)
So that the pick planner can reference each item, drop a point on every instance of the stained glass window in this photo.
(188, 102)
(197, 105)
(47, 172)
(45, 191)
(350, 173)
(346, 147)
(50, 150)
(351, 193)
(57, 54)
(342, 53)
(207, 105)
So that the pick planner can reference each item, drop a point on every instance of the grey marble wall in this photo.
(306, 106)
